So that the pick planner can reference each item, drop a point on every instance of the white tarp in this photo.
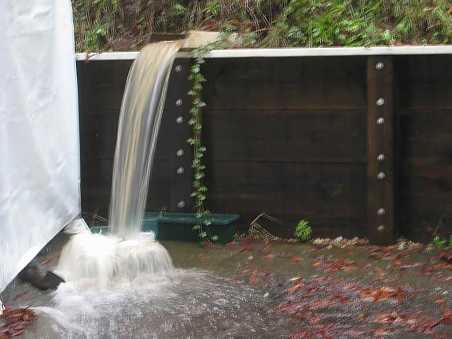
(39, 138)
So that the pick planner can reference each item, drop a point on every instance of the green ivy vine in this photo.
(200, 189)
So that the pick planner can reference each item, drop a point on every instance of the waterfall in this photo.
(139, 123)
(102, 260)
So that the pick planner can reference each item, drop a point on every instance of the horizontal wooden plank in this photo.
(311, 190)
(285, 84)
(285, 136)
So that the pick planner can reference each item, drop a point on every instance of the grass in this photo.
(129, 24)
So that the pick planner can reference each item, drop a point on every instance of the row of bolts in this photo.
(180, 152)
(381, 157)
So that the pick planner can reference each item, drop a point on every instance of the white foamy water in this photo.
(100, 261)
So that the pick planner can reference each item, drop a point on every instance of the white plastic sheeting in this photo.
(39, 138)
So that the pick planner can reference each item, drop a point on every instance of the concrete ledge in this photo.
(288, 52)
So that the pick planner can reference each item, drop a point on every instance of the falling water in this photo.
(104, 260)
(139, 123)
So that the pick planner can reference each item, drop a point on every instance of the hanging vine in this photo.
(200, 189)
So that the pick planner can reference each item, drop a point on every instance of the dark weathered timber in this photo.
(380, 152)
(177, 111)
(288, 137)
(425, 177)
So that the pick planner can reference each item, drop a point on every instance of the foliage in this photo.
(129, 24)
(442, 244)
(199, 188)
(303, 231)
(314, 23)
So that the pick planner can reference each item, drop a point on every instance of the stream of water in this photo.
(105, 260)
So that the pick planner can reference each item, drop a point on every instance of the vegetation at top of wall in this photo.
(314, 23)
(129, 24)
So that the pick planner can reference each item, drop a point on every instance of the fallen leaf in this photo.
(295, 288)
(269, 256)
(296, 259)
(383, 293)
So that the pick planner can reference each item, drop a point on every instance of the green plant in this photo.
(303, 231)
(442, 244)
(199, 149)
(314, 23)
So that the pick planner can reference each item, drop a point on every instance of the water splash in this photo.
(95, 260)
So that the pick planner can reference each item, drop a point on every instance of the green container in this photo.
(179, 226)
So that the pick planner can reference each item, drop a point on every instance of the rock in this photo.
(40, 278)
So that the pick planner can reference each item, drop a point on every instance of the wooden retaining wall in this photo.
(357, 145)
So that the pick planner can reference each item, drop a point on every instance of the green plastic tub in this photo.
(179, 226)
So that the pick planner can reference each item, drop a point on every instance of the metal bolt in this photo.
(381, 176)
(179, 102)
(381, 228)
(380, 121)
(180, 170)
(380, 102)
(381, 157)
(180, 152)
(379, 66)
(181, 204)
(381, 211)
(178, 68)
(180, 120)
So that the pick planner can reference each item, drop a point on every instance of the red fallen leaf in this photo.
(269, 256)
(301, 335)
(319, 304)
(388, 318)
(295, 288)
(342, 299)
(442, 266)
(254, 278)
(296, 259)
(383, 293)
(15, 322)
(447, 317)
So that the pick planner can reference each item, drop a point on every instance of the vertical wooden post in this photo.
(381, 149)
(177, 109)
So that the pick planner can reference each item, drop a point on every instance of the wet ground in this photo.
(254, 289)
